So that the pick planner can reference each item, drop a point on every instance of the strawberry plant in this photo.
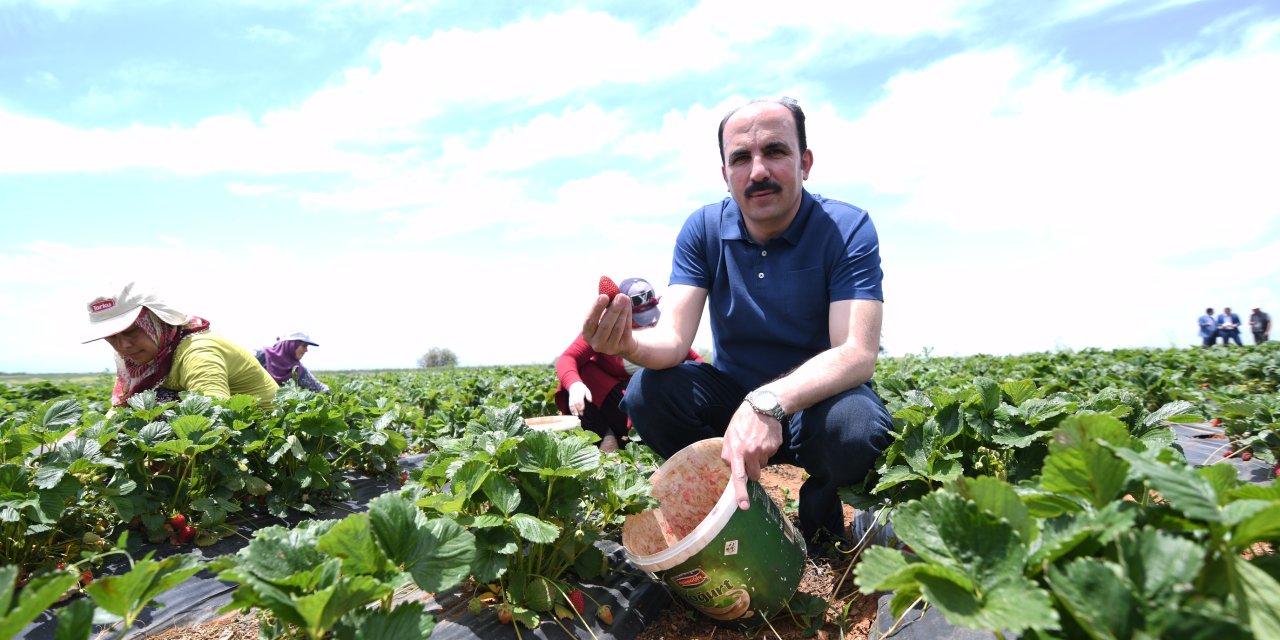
(56, 490)
(122, 598)
(990, 428)
(317, 580)
(536, 501)
(181, 461)
(1063, 554)
(19, 606)
(1253, 425)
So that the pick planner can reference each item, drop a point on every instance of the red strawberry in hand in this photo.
(608, 287)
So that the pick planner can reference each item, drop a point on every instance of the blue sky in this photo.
(392, 176)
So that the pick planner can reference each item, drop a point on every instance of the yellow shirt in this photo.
(210, 364)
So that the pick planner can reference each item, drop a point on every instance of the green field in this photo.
(1039, 479)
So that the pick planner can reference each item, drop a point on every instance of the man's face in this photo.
(763, 165)
(134, 344)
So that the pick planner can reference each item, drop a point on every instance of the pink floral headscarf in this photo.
(133, 377)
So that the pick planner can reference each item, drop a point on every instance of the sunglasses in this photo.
(642, 298)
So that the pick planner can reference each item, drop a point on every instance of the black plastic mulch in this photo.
(635, 599)
(1202, 445)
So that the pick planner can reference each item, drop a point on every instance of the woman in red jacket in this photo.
(592, 384)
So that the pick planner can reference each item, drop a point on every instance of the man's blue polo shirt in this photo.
(769, 304)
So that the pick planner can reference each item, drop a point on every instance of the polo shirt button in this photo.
(760, 275)
(764, 253)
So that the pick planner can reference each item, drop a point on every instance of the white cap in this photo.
(297, 335)
(109, 315)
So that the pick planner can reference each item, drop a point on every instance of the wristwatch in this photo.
(766, 402)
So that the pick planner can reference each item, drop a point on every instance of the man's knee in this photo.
(846, 434)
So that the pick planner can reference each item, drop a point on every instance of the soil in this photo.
(831, 580)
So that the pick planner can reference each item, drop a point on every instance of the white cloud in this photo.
(1024, 202)
(1073, 205)
(271, 35)
(253, 190)
(419, 80)
(1118, 9)
(216, 144)
(42, 79)
(1020, 143)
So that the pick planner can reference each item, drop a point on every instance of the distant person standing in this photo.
(1260, 324)
(1208, 328)
(1229, 327)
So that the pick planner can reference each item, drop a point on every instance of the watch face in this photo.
(767, 403)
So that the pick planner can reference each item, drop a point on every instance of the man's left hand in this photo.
(749, 442)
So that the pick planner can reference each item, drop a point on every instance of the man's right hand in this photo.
(749, 441)
(607, 327)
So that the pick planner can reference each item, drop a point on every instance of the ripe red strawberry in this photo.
(1246, 456)
(404, 477)
(1204, 385)
(186, 534)
(178, 521)
(608, 287)
(579, 603)
(86, 577)
(1216, 422)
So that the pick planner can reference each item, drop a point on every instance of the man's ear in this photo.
(806, 163)
(724, 173)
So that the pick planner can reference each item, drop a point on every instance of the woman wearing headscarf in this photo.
(592, 384)
(283, 361)
(160, 348)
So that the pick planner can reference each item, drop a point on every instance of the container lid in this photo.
(553, 423)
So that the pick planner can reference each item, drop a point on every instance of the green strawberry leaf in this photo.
(534, 530)
(408, 621)
(1096, 593)
(38, 595)
(352, 541)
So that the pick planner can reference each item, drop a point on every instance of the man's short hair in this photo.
(790, 103)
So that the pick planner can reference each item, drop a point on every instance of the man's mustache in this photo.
(757, 187)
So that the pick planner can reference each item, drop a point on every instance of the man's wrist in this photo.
(766, 403)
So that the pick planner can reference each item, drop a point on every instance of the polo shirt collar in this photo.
(733, 228)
